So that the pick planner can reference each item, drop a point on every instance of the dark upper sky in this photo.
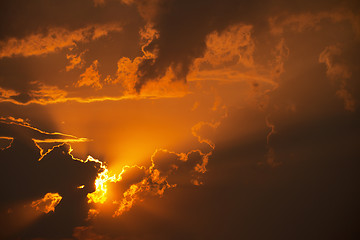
(177, 119)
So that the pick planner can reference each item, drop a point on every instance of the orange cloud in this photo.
(126, 74)
(349, 101)
(7, 94)
(229, 57)
(54, 40)
(148, 181)
(9, 141)
(90, 77)
(280, 53)
(234, 45)
(151, 182)
(12, 120)
(37, 135)
(75, 61)
(45, 100)
(270, 156)
(126, 77)
(160, 88)
(339, 73)
(196, 128)
(307, 21)
(47, 203)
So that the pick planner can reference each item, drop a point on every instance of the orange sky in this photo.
(177, 119)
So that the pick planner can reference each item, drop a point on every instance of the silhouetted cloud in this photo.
(184, 25)
(49, 181)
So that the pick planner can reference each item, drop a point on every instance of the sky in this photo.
(179, 119)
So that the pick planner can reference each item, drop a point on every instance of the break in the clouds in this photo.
(184, 26)
(37, 183)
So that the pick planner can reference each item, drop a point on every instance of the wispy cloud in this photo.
(53, 40)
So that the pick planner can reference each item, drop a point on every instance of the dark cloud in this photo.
(312, 193)
(20, 129)
(179, 170)
(183, 26)
(27, 179)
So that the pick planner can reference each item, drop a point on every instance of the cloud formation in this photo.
(53, 40)
(88, 184)
(182, 39)
(90, 77)
(339, 73)
(47, 203)
(47, 190)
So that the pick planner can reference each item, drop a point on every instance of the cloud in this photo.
(120, 191)
(53, 40)
(231, 57)
(310, 21)
(90, 77)
(136, 183)
(99, 2)
(47, 203)
(281, 53)
(63, 173)
(206, 31)
(226, 47)
(339, 73)
(127, 72)
(178, 44)
(199, 126)
(183, 39)
(34, 49)
(233, 45)
(46, 94)
(19, 128)
(75, 61)
(270, 156)
(55, 178)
